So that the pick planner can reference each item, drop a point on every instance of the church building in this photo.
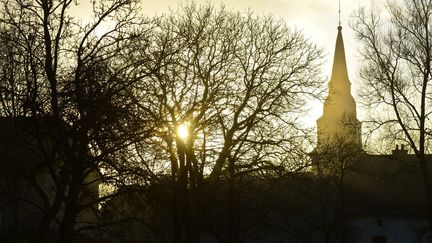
(382, 196)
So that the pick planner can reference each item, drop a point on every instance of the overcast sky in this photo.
(317, 18)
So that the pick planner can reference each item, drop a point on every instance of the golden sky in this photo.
(317, 18)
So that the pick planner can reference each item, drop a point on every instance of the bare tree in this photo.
(76, 86)
(333, 162)
(227, 88)
(396, 72)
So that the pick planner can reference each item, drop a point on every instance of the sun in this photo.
(183, 131)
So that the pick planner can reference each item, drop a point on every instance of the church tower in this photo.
(339, 123)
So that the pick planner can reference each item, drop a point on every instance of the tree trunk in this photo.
(42, 232)
(69, 219)
(71, 203)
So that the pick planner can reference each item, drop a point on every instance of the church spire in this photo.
(339, 119)
(339, 81)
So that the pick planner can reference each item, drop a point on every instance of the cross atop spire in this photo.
(339, 13)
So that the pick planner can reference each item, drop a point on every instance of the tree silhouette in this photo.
(72, 88)
(194, 101)
(238, 83)
(397, 72)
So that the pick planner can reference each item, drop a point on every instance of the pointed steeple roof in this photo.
(339, 117)
(339, 79)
